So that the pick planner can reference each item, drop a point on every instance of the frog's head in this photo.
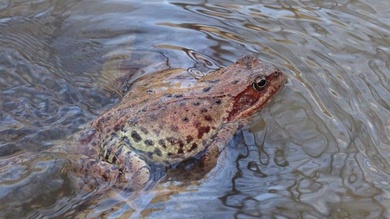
(254, 83)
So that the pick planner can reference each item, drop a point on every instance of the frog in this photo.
(170, 117)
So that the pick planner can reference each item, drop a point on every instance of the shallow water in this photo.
(320, 150)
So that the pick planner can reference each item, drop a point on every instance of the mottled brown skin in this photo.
(170, 117)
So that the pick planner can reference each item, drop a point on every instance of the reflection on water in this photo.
(320, 150)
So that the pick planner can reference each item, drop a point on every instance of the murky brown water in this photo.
(320, 150)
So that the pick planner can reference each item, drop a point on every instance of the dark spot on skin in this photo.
(144, 130)
(196, 103)
(157, 152)
(118, 151)
(149, 142)
(162, 143)
(136, 136)
(107, 154)
(154, 116)
(208, 118)
(102, 120)
(202, 130)
(105, 176)
(168, 95)
(133, 122)
(149, 91)
(206, 89)
(189, 138)
(156, 131)
(91, 163)
(169, 154)
(174, 128)
(193, 147)
(180, 151)
(218, 101)
(172, 140)
(197, 124)
(235, 81)
(150, 155)
(203, 110)
(213, 81)
(125, 139)
(186, 119)
(178, 95)
(181, 144)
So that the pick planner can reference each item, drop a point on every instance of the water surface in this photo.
(321, 149)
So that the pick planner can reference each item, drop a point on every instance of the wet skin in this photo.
(170, 117)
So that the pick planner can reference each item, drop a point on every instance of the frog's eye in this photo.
(259, 83)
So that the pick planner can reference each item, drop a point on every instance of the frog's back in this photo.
(172, 116)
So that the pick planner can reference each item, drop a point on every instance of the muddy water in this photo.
(321, 149)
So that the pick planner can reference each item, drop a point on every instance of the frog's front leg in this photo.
(209, 158)
(220, 141)
(135, 172)
(123, 169)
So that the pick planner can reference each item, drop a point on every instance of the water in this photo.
(320, 150)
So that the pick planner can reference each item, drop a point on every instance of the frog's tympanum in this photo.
(170, 117)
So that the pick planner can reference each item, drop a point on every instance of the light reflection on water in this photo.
(321, 148)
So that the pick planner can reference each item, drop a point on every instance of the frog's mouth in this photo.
(251, 100)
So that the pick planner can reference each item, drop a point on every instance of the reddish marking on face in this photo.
(244, 100)
(249, 97)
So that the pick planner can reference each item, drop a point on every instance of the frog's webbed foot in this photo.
(125, 171)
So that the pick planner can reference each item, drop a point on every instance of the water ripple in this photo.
(321, 148)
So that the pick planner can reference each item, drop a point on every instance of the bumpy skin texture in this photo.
(172, 116)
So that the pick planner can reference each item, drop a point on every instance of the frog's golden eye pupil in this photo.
(259, 84)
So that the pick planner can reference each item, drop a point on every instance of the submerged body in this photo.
(171, 117)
